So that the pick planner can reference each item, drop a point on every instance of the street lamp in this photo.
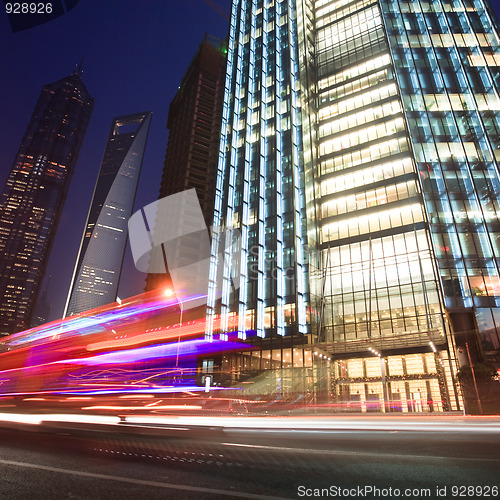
(168, 292)
(181, 305)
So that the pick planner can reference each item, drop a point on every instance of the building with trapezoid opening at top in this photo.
(98, 267)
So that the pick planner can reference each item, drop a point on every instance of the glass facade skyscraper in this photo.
(34, 195)
(375, 283)
(260, 184)
(97, 271)
(359, 159)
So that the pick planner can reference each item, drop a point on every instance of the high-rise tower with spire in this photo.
(33, 197)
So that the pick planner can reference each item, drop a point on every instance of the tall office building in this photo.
(34, 194)
(194, 120)
(359, 159)
(97, 272)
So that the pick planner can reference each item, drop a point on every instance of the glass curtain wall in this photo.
(447, 57)
(381, 335)
(260, 184)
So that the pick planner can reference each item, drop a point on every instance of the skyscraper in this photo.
(97, 272)
(34, 194)
(194, 120)
(359, 159)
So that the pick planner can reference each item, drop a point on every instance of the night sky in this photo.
(135, 55)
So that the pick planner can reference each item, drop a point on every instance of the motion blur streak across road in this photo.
(38, 419)
(142, 344)
(363, 423)
(243, 457)
(469, 424)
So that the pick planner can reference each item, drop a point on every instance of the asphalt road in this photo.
(364, 458)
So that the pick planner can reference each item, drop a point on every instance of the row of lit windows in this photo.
(269, 360)
(443, 124)
(371, 222)
(402, 332)
(353, 103)
(466, 242)
(361, 118)
(355, 86)
(365, 176)
(461, 215)
(451, 102)
(460, 284)
(330, 13)
(433, 7)
(452, 40)
(484, 60)
(370, 198)
(411, 364)
(360, 69)
(386, 310)
(460, 210)
(469, 244)
(405, 397)
(352, 27)
(391, 248)
(288, 311)
(268, 130)
(255, 116)
(351, 50)
(367, 134)
(484, 181)
(405, 329)
(372, 153)
(325, 6)
(378, 274)
(449, 151)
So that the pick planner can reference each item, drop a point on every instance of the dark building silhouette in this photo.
(34, 194)
(98, 268)
(194, 120)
